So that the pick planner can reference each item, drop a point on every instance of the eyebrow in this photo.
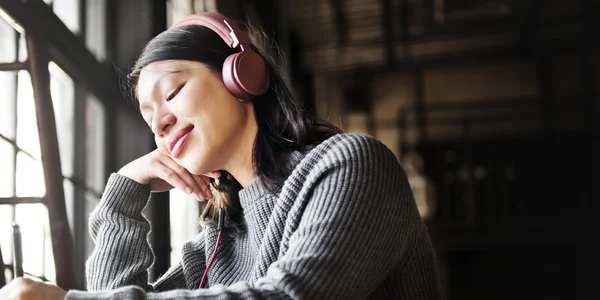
(156, 84)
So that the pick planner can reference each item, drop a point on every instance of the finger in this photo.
(171, 176)
(206, 193)
(183, 174)
(199, 189)
(214, 174)
(205, 189)
(23, 281)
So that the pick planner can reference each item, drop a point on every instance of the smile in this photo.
(178, 140)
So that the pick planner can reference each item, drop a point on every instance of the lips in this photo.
(177, 141)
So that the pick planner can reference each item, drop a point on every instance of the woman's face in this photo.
(194, 118)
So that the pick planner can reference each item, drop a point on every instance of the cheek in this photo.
(190, 108)
(209, 114)
(219, 124)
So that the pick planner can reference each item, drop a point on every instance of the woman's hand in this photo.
(163, 174)
(27, 289)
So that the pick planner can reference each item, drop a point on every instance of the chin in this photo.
(194, 156)
(194, 170)
(195, 159)
(194, 167)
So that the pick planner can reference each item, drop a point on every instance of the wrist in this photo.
(123, 195)
(127, 171)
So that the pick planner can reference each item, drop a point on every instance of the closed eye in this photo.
(172, 95)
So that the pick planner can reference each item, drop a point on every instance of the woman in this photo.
(297, 209)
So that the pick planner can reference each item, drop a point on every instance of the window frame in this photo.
(54, 42)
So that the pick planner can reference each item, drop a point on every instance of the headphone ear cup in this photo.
(245, 75)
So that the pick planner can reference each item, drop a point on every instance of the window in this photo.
(80, 118)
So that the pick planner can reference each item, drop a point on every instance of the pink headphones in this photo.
(245, 73)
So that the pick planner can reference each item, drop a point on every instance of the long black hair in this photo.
(284, 123)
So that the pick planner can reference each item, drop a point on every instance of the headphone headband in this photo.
(227, 29)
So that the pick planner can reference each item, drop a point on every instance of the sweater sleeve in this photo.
(359, 227)
(122, 254)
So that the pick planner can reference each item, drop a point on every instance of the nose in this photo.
(161, 123)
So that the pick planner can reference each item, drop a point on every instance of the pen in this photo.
(17, 251)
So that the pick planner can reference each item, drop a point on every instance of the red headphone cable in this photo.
(220, 230)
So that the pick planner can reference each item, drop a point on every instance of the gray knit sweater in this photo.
(344, 226)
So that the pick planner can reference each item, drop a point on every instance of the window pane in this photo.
(184, 211)
(6, 219)
(95, 35)
(49, 268)
(27, 131)
(68, 12)
(37, 249)
(69, 189)
(30, 177)
(8, 39)
(7, 104)
(7, 180)
(94, 144)
(22, 48)
(90, 204)
(62, 90)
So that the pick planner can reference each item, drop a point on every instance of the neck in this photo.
(240, 164)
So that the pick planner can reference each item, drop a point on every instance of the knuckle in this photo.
(152, 161)
(23, 295)
(155, 159)
(23, 281)
(171, 175)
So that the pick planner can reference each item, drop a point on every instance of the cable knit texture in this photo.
(343, 226)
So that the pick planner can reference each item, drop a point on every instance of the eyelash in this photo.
(174, 93)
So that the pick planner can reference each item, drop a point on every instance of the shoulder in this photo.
(345, 175)
(350, 157)
(352, 147)
(348, 173)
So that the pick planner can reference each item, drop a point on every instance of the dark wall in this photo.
(524, 114)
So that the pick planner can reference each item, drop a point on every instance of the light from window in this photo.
(63, 96)
(6, 169)
(37, 251)
(94, 144)
(95, 28)
(22, 48)
(7, 105)
(27, 130)
(91, 201)
(8, 35)
(68, 12)
(69, 190)
(30, 177)
(184, 212)
(6, 217)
